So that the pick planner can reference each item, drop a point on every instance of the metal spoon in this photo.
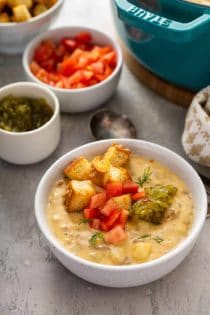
(106, 124)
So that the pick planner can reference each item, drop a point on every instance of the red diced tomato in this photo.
(69, 43)
(98, 200)
(115, 236)
(97, 67)
(60, 52)
(123, 218)
(67, 67)
(110, 58)
(48, 65)
(77, 58)
(109, 221)
(114, 189)
(138, 195)
(45, 51)
(130, 188)
(83, 37)
(90, 213)
(35, 67)
(95, 224)
(110, 205)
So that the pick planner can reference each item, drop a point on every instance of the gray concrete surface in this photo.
(32, 281)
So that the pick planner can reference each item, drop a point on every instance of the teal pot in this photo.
(170, 38)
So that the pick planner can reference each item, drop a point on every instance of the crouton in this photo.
(115, 174)
(4, 18)
(39, 9)
(117, 155)
(78, 194)
(124, 201)
(100, 164)
(97, 178)
(79, 169)
(15, 3)
(2, 4)
(21, 13)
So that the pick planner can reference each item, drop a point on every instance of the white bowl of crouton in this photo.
(22, 20)
(76, 165)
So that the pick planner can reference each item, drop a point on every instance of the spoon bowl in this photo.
(106, 124)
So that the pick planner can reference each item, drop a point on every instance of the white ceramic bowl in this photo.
(15, 36)
(132, 275)
(31, 146)
(77, 100)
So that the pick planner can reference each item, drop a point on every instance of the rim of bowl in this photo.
(33, 19)
(193, 234)
(29, 48)
(43, 88)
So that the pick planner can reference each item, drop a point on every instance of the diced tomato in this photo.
(97, 67)
(67, 67)
(74, 58)
(86, 75)
(114, 189)
(95, 224)
(123, 218)
(109, 206)
(35, 67)
(83, 37)
(90, 213)
(60, 52)
(98, 200)
(110, 58)
(107, 223)
(130, 188)
(69, 43)
(42, 75)
(115, 236)
(46, 50)
(138, 195)
(48, 65)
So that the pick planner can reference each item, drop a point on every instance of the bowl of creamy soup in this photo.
(120, 213)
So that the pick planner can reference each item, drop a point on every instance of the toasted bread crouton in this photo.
(100, 164)
(15, 3)
(21, 13)
(117, 155)
(116, 174)
(4, 17)
(78, 194)
(79, 169)
(2, 4)
(97, 178)
(124, 201)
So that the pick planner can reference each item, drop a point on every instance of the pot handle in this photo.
(159, 25)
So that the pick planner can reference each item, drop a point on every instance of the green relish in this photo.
(20, 114)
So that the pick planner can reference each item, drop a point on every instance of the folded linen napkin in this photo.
(196, 135)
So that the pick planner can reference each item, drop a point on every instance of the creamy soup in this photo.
(203, 2)
(145, 241)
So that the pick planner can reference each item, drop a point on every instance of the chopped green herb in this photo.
(84, 221)
(158, 239)
(95, 238)
(145, 236)
(145, 178)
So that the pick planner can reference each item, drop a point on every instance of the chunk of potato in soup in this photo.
(145, 240)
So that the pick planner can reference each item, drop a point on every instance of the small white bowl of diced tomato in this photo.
(81, 65)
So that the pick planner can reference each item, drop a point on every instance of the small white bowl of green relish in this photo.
(29, 123)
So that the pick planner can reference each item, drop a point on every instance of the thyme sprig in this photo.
(145, 178)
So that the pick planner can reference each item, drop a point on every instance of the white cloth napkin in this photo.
(196, 135)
